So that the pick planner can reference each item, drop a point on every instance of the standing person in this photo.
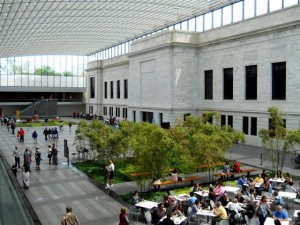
(17, 154)
(123, 216)
(22, 134)
(111, 167)
(69, 218)
(236, 166)
(45, 132)
(13, 127)
(49, 154)
(106, 177)
(8, 125)
(37, 158)
(54, 155)
(25, 177)
(262, 210)
(27, 158)
(226, 168)
(34, 137)
(70, 125)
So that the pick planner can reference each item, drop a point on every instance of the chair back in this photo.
(133, 209)
(189, 210)
(172, 193)
(148, 216)
(212, 204)
(247, 220)
(291, 190)
(191, 189)
(224, 222)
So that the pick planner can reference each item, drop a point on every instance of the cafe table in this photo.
(295, 213)
(147, 205)
(287, 194)
(206, 213)
(177, 219)
(270, 221)
(181, 197)
(277, 180)
(202, 193)
(231, 189)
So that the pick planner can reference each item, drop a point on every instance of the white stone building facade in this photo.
(239, 70)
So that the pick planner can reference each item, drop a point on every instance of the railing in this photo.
(41, 81)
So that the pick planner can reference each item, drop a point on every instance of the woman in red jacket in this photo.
(123, 216)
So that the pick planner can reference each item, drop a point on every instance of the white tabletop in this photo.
(287, 194)
(278, 180)
(176, 219)
(181, 197)
(270, 221)
(257, 185)
(146, 204)
(295, 213)
(231, 189)
(202, 193)
(203, 212)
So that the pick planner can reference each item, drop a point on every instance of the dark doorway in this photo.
(147, 117)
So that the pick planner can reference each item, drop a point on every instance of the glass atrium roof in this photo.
(81, 27)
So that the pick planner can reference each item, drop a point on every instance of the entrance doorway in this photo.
(147, 117)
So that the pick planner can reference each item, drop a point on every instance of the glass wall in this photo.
(45, 71)
(241, 10)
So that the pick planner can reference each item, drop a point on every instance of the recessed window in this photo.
(253, 126)
(245, 124)
(118, 89)
(228, 83)
(105, 89)
(208, 92)
(111, 89)
(251, 82)
(92, 87)
(279, 81)
(125, 89)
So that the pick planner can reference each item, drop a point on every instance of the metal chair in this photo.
(148, 218)
(212, 204)
(135, 213)
(223, 222)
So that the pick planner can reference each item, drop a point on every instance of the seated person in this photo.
(278, 200)
(135, 198)
(297, 220)
(288, 179)
(166, 202)
(171, 199)
(239, 197)
(251, 183)
(280, 214)
(177, 211)
(192, 199)
(174, 175)
(226, 168)
(264, 174)
(219, 190)
(267, 185)
(197, 206)
(243, 182)
(158, 213)
(234, 207)
(220, 212)
(278, 174)
(168, 220)
(224, 199)
(236, 166)
(259, 179)
(197, 187)
(212, 194)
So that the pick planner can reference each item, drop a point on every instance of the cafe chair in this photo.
(247, 220)
(223, 222)
(290, 190)
(212, 204)
(148, 218)
(135, 213)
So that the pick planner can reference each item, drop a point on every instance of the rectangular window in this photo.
(208, 92)
(124, 112)
(92, 87)
(111, 111)
(245, 124)
(223, 120)
(228, 83)
(230, 121)
(134, 116)
(105, 89)
(253, 126)
(111, 89)
(105, 111)
(118, 89)
(251, 82)
(278, 81)
(117, 112)
(125, 89)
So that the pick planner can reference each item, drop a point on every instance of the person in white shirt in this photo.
(111, 168)
(234, 207)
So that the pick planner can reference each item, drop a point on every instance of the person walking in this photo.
(17, 154)
(49, 154)
(45, 132)
(22, 134)
(27, 158)
(111, 167)
(37, 158)
(70, 125)
(106, 177)
(34, 137)
(69, 218)
(54, 155)
(13, 127)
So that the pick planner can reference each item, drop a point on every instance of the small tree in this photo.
(277, 139)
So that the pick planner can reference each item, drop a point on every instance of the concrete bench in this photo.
(247, 171)
(191, 179)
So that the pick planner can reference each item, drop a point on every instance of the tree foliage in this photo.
(156, 150)
(277, 139)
